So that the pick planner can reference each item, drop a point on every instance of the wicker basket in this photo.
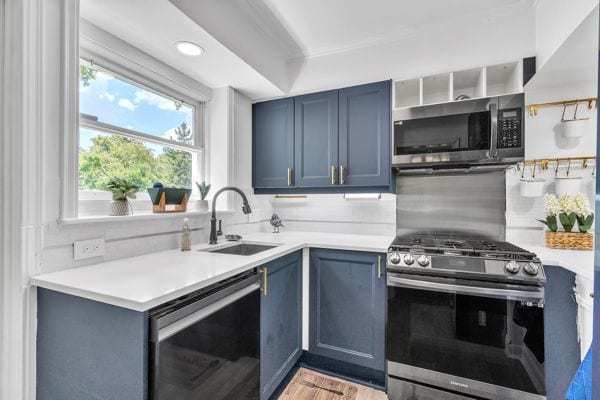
(569, 240)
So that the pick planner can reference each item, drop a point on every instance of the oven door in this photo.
(477, 338)
(464, 132)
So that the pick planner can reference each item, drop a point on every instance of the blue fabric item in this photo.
(581, 387)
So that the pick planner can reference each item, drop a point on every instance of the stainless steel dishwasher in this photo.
(206, 345)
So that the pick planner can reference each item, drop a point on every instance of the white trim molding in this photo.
(37, 43)
(22, 203)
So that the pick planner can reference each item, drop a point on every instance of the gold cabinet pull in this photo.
(332, 174)
(342, 175)
(379, 267)
(289, 176)
(264, 289)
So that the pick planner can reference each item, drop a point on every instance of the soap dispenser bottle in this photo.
(186, 237)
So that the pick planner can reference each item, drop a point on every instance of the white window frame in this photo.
(89, 197)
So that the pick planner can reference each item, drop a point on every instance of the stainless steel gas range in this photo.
(465, 319)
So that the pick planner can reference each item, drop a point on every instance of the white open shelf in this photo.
(408, 93)
(504, 78)
(474, 83)
(437, 88)
(470, 83)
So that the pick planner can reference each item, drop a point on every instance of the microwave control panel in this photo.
(510, 131)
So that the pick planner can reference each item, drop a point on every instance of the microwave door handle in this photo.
(493, 107)
(536, 296)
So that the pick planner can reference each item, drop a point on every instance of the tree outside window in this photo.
(157, 143)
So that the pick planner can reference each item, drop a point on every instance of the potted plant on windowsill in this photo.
(122, 190)
(202, 204)
(568, 210)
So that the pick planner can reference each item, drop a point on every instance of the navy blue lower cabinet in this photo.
(89, 350)
(562, 354)
(280, 321)
(348, 307)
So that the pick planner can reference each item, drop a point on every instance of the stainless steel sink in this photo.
(242, 249)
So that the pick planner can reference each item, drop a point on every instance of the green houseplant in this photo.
(203, 188)
(122, 190)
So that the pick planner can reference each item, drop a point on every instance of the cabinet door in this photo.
(316, 138)
(281, 321)
(347, 307)
(273, 143)
(365, 134)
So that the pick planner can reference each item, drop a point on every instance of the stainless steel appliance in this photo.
(207, 344)
(465, 319)
(467, 133)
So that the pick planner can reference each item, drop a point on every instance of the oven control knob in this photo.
(513, 267)
(531, 269)
(408, 259)
(423, 261)
(395, 258)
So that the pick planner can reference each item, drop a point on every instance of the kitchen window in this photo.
(132, 131)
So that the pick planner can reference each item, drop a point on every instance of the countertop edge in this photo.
(39, 281)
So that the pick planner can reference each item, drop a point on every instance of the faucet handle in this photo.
(219, 231)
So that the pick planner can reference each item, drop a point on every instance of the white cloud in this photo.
(143, 96)
(126, 103)
(108, 96)
(169, 134)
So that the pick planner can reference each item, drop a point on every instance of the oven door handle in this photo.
(534, 296)
(189, 320)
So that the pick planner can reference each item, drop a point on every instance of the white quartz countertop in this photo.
(579, 261)
(143, 282)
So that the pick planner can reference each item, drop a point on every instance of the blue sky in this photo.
(119, 103)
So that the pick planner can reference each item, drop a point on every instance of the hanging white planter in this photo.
(573, 128)
(532, 187)
(567, 185)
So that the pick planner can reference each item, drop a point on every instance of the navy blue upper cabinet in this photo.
(339, 141)
(281, 321)
(273, 143)
(316, 139)
(365, 135)
(348, 306)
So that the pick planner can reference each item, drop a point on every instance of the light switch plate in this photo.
(92, 248)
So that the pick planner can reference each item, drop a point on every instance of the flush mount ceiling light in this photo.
(189, 48)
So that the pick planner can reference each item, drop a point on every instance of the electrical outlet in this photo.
(83, 249)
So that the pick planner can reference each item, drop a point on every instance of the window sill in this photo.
(95, 219)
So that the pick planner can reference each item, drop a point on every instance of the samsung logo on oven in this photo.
(462, 385)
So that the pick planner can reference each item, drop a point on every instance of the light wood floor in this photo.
(364, 392)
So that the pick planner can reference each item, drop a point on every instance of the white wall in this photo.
(544, 140)
(554, 22)
(445, 48)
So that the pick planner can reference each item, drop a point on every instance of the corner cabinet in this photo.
(273, 143)
(280, 320)
(340, 142)
(347, 311)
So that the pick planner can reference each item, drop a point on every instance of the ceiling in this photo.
(322, 27)
(261, 47)
(154, 26)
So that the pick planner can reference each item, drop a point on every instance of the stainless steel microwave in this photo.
(480, 132)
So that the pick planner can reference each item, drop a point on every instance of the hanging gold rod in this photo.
(558, 159)
(533, 108)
